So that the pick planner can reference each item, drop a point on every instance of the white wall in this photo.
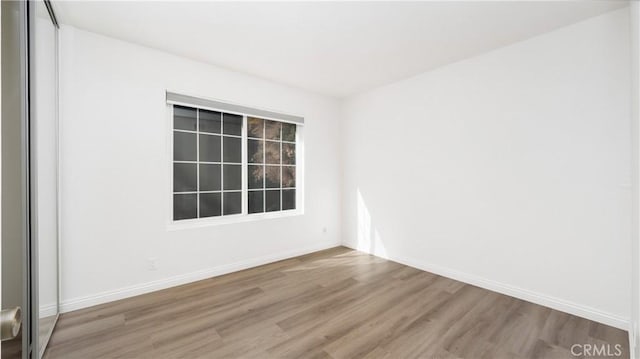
(115, 172)
(510, 170)
(634, 336)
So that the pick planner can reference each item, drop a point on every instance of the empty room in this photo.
(320, 179)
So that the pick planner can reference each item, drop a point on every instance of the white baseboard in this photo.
(48, 310)
(122, 293)
(516, 292)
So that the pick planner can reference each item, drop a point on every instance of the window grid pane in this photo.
(185, 206)
(210, 121)
(199, 144)
(210, 204)
(269, 159)
(256, 201)
(255, 128)
(184, 118)
(288, 199)
(209, 148)
(185, 177)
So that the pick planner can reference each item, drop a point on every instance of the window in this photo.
(271, 157)
(231, 164)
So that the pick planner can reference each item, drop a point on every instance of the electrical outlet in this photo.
(152, 263)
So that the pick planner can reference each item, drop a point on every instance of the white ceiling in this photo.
(333, 48)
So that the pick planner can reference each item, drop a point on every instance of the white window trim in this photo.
(244, 216)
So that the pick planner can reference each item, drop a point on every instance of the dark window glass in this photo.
(217, 146)
(210, 177)
(256, 201)
(272, 200)
(184, 146)
(232, 124)
(256, 176)
(185, 177)
(272, 176)
(288, 153)
(254, 151)
(210, 204)
(209, 148)
(288, 132)
(272, 130)
(232, 202)
(184, 118)
(288, 199)
(232, 151)
(255, 127)
(232, 177)
(288, 176)
(184, 206)
(210, 121)
(272, 152)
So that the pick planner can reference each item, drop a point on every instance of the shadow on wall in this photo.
(369, 239)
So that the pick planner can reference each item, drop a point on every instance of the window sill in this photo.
(237, 218)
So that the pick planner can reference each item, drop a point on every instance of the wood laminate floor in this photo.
(337, 303)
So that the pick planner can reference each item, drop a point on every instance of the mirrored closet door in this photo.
(43, 73)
